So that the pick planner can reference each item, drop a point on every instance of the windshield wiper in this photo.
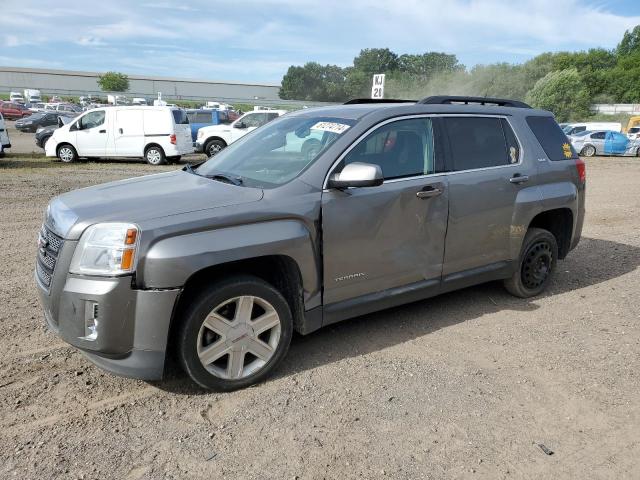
(188, 168)
(223, 177)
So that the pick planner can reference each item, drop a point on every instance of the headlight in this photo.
(200, 134)
(106, 249)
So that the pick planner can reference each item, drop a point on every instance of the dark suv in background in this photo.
(318, 216)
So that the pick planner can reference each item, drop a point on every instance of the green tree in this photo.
(113, 82)
(428, 64)
(563, 93)
(630, 42)
(376, 60)
(324, 83)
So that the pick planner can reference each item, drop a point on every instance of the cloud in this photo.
(90, 42)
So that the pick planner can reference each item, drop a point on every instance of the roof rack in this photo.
(448, 100)
(359, 101)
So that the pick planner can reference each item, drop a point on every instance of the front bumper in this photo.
(198, 147)
(132, 325)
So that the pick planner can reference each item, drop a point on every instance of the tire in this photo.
(154, 155)
(213, 147)
(588, 151)
(244, 356)
(66, 153)
(638, 152)
(536, 264)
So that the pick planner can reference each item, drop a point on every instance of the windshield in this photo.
(277, 152)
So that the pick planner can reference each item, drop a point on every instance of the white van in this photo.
(573, 128)
(4, 137)
(157, 134)
(16, 97)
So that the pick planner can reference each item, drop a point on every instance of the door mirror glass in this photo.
(357, 174)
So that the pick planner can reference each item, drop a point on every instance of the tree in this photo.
(113, 82)
(630, 42)
(563, 93)
(376, 60)
(324, 83)
(428, 64)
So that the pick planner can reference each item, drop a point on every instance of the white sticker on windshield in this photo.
(333, 127)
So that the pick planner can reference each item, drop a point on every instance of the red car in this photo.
(13, 111)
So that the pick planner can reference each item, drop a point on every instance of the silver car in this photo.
(604, 142)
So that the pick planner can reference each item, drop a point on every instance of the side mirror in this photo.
(240, 125)
(357, 174)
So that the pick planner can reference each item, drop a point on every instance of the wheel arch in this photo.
(559, 222)
(152, 144)
(215, 137)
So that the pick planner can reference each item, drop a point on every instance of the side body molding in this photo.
(171, 261)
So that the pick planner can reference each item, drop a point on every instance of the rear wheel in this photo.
(67, 154)
(588, 151)
(213, 147)
(537, 263)
(154, 155)
(234, 333)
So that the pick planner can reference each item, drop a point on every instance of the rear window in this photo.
(180, 117)
(634, 130)
(481, 142)
(552, 139)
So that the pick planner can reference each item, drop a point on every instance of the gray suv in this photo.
(319, 216)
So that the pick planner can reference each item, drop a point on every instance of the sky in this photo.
(257, 40)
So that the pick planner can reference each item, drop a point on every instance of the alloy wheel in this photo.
(153, 156)
(214, 148)
(239, 337)
(66, 154)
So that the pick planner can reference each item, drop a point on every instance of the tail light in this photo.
(172, 139)
(581, 167)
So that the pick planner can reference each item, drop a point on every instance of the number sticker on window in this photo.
(333, 127)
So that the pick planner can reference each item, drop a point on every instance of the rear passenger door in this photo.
(128, 133)
(486, 174)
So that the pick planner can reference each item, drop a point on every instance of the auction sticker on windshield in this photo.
(333, 127)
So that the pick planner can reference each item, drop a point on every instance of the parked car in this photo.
(37, 120)
(605, 142)
(62, 108)
(156, 134)
(573, 128)
(633, 133)
(4, 137)
(13, 111)
(203, 118)
(43, 134)
(16, 97)
(211, 140)
(35, 107)
(633, 122)
(221, 262)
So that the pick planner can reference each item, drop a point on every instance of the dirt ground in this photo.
(465, 385)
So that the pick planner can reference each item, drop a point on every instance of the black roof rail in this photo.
(453, 99)
(359, 101)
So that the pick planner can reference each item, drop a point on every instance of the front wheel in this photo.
(537, 264)
(67, 154)
(154, 155)
(234, 333)
(213, 147)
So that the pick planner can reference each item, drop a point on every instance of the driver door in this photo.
(390, 237)
(250, 122)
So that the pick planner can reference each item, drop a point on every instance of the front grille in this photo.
(49, 246)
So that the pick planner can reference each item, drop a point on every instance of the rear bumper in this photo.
(132, 325)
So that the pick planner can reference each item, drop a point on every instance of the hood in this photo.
(143, 198)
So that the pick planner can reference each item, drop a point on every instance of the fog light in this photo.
(90, 321)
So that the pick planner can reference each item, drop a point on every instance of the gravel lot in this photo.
(465, 385)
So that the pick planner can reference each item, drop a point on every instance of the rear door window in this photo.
(598, 136)
(552, 139)
(480, 142)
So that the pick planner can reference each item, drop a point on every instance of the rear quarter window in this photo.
(551, 138)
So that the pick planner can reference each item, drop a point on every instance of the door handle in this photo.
(102, 131)
(428, 192)
(120, 130)
(517, 178)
